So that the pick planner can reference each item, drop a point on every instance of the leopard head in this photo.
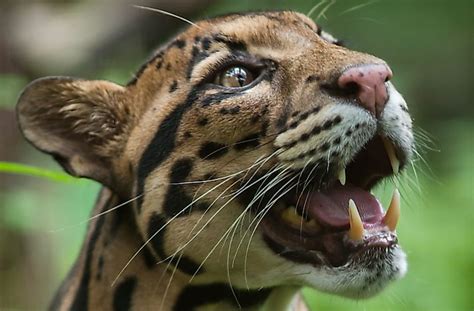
(249, 145)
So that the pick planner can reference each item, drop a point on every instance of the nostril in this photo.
(348, 90)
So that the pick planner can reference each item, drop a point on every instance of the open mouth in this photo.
(339, 220)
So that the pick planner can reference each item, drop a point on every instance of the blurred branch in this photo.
(17, 168)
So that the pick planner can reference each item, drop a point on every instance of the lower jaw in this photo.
(331, 249)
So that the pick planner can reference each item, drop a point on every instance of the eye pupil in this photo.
(237, 73)
(235, 77)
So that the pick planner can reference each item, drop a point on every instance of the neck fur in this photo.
(112, 239)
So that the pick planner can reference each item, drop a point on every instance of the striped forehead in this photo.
(260, 29)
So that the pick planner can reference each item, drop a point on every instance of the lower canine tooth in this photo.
(342, 176)
(291, 216)
(392, 156)
(356, 231)
(312, 224)
(393, 212)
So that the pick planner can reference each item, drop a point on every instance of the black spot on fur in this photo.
(173, 86)
(233, 45)
(315, 109)
(201, 206)
(159, 64)
(290, 145)
(196, 57)
(325, 147)
(299, 257)
(327, 125)
(264, 128)
(176, 198)
(316, 130)
(194, 296)
(100, 267)
(156, 223)
(179, 43)
(304, 116)
(124, 293)
(233, 111)
(81, 298)
(130, 168)
(404, 108)
(255, 119)
(168, 66)
(203, 121)
(209, 176)
(137, 75)
(250, 141)
(312, 78)
(212, 150)
(206, 43)
(187, 135)
(194, 51)
(162, 144)
(281, 122)
(216, 98)
(148, 258)
(142, 68)
(284, 116)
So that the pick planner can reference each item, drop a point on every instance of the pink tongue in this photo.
(330, 207)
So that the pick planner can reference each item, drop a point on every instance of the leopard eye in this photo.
(234, 77)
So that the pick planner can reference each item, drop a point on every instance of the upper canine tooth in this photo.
(394, 162)
(393, 212)
(342, 176)
(356, 231)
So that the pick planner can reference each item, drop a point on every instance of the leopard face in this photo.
(241, 143)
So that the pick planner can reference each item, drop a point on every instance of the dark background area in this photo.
(428, 44)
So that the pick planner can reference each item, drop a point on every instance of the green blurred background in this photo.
(429, 45)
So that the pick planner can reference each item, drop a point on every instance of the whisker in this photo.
(212, 217)
(266, 210)
(98, 215)
(315, 7)
(358, 7)
(326, 8)
(220, 240)
(277, 179)
(159, 230)
(167, 13)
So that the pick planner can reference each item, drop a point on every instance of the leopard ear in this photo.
(82, 124)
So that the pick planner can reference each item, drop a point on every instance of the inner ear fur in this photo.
(82, 124)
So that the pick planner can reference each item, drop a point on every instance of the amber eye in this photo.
(235, 77)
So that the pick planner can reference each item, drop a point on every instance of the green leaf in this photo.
(22, 169)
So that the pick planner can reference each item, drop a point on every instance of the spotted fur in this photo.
(176, 151)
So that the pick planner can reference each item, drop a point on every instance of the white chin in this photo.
(359, 280)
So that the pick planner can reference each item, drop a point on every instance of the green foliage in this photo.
(22, 169)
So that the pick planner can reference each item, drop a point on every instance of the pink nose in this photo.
(369, 83)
